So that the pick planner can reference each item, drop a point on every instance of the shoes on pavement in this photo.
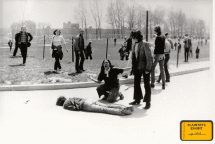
(167, 80)
(163, 86)
(121, 96)
(136, 102)
(152, 85)
(79, 71)
(148, 105)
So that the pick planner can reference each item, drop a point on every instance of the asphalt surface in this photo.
(32, 116)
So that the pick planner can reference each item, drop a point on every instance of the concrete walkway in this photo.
(31, 117)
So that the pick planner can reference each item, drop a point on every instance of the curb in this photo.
(81, 84)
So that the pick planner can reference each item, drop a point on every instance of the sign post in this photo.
(72, 51)
(44, 46)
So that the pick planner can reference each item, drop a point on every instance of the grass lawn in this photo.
(39, 70)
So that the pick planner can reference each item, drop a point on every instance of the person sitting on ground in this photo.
(109, 74)
(78, 104)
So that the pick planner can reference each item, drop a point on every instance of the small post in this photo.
(107, 49)
(44, 46)
(72, 51)
(177, 56)
(147, 26)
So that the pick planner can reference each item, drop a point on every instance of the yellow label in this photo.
(196, 130)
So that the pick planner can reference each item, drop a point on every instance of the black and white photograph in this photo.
(107, 71)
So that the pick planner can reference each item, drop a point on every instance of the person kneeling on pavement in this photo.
(78, 104)
(110, 89)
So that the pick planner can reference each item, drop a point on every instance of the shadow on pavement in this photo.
(15, 56)
(16, 65)
(50, 72)
(73, 74)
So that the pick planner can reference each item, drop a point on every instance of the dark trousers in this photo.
(57, 62)
(113, 92)
(79, 64)
(15, 50)
(197, 55)
(127, 57)
(137, 87)
(10, 48)
(186, 53)
(167, 56)
(122, 57)
(24, 50)
(89, 55)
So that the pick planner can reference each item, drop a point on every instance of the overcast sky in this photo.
(56, 12)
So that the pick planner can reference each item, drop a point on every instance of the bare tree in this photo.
(131, 16)
(111, 17)
(96, 10)
(81, 15)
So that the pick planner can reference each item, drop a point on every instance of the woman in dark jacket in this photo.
(158, 56)
(109, 74)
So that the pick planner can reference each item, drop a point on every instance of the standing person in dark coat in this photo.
(187, 47)
(89, 51)
(23, 40)
(79, 52)
(114, 41)
(10, 44)
(142, 61)
(110, 75)
(158, 56)
(197, 52)
(167, 51)
(175, 45)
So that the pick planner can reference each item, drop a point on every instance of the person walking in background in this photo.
(110, 89)
(197, 52)
(158, 56)
(114, 41)
(142, 62)
(167, 51)
(79, 52)
(122, 52)
(179, 46)
(57, 53)
(23, 39)
(88, 52)
(187, 46)
(175, 45)
(10, 44)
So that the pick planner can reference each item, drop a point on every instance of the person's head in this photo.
(82, 32)
(157, 30)
(106, 64)
(60, 101)
(166, 35)
(57, 32)
(90, 43)
(23, 29)
(186, 35)
(137, 36)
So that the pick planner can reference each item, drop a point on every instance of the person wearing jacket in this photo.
(187, 47)
(57, 43)
(122, 53)
(23, 39)
(167, 51)
(89, 105)
(109, 74)
(88, 52)
(158, 56)
(79, 52)
(197, 52)
(142, 61)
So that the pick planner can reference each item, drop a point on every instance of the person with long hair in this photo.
(158, 56)
(89, 105)
(141, 65)
(56, 46)
(110, 89)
